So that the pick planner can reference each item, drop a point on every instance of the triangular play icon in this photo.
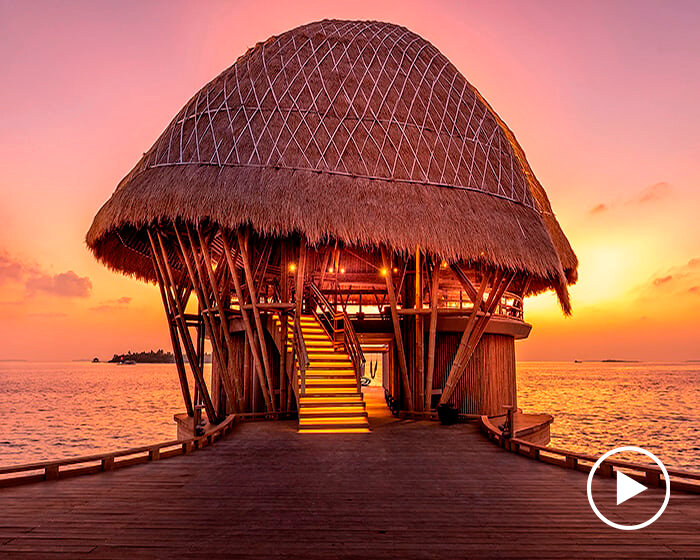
(627, 488)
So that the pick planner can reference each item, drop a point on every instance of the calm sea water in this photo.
(600, 406)
(54, 410)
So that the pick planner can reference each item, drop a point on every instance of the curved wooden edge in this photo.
(651, 475)
(91, 464)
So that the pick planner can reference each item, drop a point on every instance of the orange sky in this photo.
(602, 96)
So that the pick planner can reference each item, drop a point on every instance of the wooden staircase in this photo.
(332, 402)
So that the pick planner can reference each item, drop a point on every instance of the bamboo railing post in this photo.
(230, 261)
(238, 386)
(397, 329)
(197, 280)
(166, 272)
(432, 336)
(252, 290)
(174, 339)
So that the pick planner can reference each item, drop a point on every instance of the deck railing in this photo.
(651, 475)
(91, 464)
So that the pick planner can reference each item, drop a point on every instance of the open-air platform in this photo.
(408, 489)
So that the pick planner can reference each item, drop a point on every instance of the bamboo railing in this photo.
(350, 340)
(102, 462)
(651, 475)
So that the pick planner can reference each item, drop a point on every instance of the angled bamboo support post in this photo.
(452, 377)
(500, 285)
(257, 362)
(252, 290)
(197, 279)
(172, 329)
(432, 336)
(192, 357)
(397, 329)
(222, 314)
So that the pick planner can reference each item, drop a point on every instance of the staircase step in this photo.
(335, 429)
(331, 412)
(326, 400)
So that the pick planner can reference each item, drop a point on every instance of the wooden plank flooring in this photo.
(408, 489)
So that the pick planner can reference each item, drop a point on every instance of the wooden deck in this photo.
(408, 489)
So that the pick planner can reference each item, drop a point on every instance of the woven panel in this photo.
(360, 99)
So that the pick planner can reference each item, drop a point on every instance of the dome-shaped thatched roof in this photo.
(352, 130)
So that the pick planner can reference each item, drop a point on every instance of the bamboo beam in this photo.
(167, 272)
(397, 329)
(257, 362)
(464, 352)
(197, 279)
(175, 341)
(237, 384)
(250, 281)
(432, 336)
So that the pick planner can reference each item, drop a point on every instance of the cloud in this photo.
(652, 193)
(66, 284)
(663, 280)
(675, 282)
(35, 280)
(11, 268)
(657, 191)
(112, 304)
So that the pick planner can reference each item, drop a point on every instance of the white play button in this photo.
(627, 487)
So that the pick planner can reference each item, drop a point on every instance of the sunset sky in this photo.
(603, 97)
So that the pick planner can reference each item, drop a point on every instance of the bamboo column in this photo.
(252, 290)
(432, 335)
(238, 385)
(172, 329)
(419, 365)
(230, 261)
(209, 326)
(397, 329)
(167, 273)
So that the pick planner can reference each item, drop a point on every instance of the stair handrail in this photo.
(350, 340)
(302, 355)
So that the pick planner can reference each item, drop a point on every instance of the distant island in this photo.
(150, 357)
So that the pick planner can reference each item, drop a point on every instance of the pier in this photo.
(408, 489)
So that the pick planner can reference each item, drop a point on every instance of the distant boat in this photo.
(95, 360)
(578, 361)
(127, 363)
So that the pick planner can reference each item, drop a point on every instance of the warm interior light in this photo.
(330, 269)
(292, 267)
(342, 271)
(443, 264)
(395, 270)
(383, 271)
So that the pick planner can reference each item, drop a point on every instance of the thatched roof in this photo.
(353, 130)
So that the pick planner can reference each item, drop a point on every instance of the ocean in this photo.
(56, 410)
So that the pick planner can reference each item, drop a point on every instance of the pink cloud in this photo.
(65, 284)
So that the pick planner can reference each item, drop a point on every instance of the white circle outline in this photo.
(638, 525)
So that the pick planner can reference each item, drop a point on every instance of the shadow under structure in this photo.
(341, 191)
